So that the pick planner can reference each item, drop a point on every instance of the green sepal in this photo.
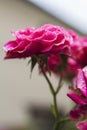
(29, 62)
(33, 62)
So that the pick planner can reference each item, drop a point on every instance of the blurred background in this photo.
(21, 97)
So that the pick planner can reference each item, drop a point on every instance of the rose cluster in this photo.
(61, 51)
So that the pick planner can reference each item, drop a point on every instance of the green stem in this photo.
(59, 122)
(59, 85)
(56, 107)
(54, 93)
(64, 120)
(47, 79)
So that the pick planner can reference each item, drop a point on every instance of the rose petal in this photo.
(76, 98)
(81, 82)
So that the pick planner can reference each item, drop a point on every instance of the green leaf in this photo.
(53, 110)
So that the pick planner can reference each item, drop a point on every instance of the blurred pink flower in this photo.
(61, 65)
(79, 48)
(79, 51)
(31, 41)
(82, 125)
(79, 112)
(54, 63)
(81, 86)
(79, 96)
(71, 68)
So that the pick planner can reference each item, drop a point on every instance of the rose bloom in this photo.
(61, 65)
(80, 83)
(79, 50)
(53, 64)
(32, 41)
(82, 125)
(79, 96)
(70, 69)
(79, 91)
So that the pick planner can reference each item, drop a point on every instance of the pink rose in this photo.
(79, 96)
(79, 48)
(70, 69)
(32, 41)
(82, 125)
(53, 64)
(79, 93)
(79, 51)
(79, 112)
(61, 65)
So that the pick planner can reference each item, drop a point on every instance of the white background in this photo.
(73, 12)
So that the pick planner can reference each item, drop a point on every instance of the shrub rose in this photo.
(31, 41)
(62, 52)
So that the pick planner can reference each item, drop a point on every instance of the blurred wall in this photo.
(16, 88)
